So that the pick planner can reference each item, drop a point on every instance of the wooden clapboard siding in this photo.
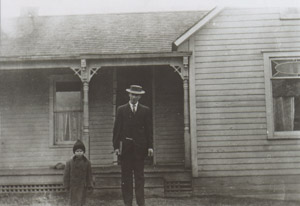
(268, 39)
(237, 38)
(101, 118)
(229, 81)
(280, 186)
(230, 97)
(169, 141)
(247, 30)
(24, 120)
(229, 69)
(231, 104)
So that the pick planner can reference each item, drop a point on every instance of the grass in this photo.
(52, 199)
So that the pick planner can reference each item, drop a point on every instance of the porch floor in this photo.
(96, 170)
(159, 180)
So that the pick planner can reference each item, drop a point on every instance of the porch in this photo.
(34, 109)
(162, 181)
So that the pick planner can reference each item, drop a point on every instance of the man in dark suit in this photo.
(132, 140)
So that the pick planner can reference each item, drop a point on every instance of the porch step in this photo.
(164, 181)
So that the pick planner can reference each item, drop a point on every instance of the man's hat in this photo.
(135, 89)
(78, 145)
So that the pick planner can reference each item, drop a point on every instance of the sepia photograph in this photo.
(149, 103)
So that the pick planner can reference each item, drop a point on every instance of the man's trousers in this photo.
(130, 164)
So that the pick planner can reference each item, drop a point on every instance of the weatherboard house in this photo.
(223, 86)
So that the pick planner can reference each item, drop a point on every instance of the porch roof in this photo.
(101, 34)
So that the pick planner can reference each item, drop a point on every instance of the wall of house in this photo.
(101, 117)
(24, 120)
(234, 155)
(168, 117)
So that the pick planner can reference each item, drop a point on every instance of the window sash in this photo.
(64, 131)
(269, 57)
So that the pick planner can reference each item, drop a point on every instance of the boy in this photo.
(78, 176)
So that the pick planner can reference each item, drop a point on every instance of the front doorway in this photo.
(164, 95)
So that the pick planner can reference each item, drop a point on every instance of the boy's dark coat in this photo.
(77, 179)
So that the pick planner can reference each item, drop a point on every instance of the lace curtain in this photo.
(284, 113)
(67, 126)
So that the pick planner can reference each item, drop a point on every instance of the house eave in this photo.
(94, 56)
(208, 17)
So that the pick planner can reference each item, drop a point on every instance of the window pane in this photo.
(67, 112)
(286, 96)
(286, 87)
(68, 101)
(284, 113)
(68, 86)
(67, 126)
(285, 68)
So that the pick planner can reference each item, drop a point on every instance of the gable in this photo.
(186, 35)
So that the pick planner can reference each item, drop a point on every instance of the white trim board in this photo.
(209, 16)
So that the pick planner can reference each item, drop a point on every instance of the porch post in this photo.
(187, 138)
(183, 71)
(85, 132)
(85, 73)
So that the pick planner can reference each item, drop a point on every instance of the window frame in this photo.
(52, 91)
(268, 57)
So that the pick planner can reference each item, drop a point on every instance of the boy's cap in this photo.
(78, 145)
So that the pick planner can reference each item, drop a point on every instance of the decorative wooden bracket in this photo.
(182, 70)
(85, 73)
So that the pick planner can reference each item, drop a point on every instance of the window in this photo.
(66, 110)
(283, 95)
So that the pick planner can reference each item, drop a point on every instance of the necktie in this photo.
(133, 108)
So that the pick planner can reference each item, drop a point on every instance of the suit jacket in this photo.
(137, 126)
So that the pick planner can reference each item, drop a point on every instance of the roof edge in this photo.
(209, 16)
(95, 56)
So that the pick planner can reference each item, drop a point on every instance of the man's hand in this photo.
(117, 152)
(150, 152)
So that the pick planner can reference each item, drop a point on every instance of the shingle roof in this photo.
(95, 34)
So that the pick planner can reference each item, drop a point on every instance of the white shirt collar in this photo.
(136, 105)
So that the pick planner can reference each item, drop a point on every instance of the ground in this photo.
(41, 199)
